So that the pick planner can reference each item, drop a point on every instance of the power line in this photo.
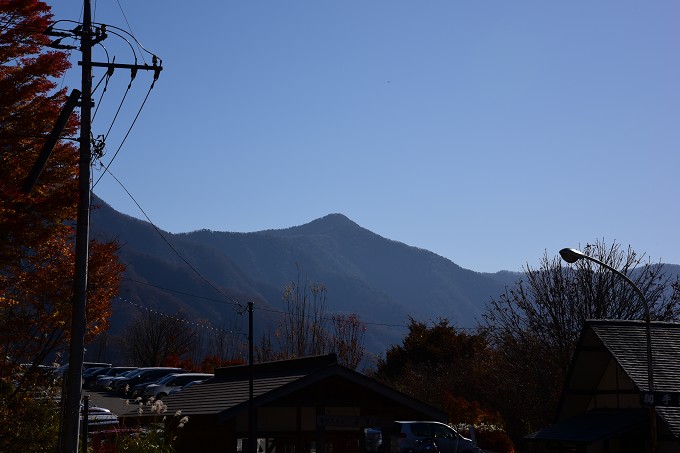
(175, 291)
(158, 231)
(203, 325)
(106, 169)
(231, 300)
(281, 312)
(129, 26)
(269, 310)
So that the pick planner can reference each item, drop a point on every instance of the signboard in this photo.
(660, 399)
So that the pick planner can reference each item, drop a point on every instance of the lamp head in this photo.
(571, 255)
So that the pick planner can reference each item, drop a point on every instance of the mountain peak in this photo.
(327, 224)
(334, 220)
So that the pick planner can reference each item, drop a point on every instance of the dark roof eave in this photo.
(346, 373)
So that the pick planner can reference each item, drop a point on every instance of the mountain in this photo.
(203, 274)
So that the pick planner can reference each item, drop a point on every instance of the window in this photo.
(421, 429)
(443, 432)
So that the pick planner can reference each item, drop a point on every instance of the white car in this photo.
(416, 436)
(160, 389)
(99, 417)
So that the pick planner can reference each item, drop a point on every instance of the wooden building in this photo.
(602, 409)
(302, 405)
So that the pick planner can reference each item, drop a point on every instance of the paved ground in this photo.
(114, 403)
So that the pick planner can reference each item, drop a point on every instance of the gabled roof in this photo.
(227, 394)
(626, 340)
(624, 343)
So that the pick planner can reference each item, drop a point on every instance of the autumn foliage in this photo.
(37, 261)
(451, 370)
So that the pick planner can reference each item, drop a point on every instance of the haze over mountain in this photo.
(206, 273)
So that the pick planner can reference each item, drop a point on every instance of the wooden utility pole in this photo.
(71, 421)
(252, 417)
(70, 424)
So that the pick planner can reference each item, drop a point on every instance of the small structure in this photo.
(604, 401)
(302, 405)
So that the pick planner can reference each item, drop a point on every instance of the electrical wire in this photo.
(179, 255)
(269, 310)
(205, 325)
(107, 77)
(230, 299)
(109, 29)
(106, 168)
(129, 26)
(281, 312)
(174, 290)
(120, 106)
(139, 44)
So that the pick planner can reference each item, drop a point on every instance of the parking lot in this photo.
(115, 404)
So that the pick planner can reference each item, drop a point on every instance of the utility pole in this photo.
(71, 421)
(70, 424)
(252, 418)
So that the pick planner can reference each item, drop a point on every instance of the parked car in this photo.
(417, 436)
(162, 387)
(90, 381)
(90, 376)
(185, 386)
(99, 417)
(373, 439)
(142, 375)
(89, 371)
(106, 382)
(62, 370)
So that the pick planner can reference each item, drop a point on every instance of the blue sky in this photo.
(485, 131)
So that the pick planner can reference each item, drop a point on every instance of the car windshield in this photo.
(91, 371)
(117, 371)
(165, 379)
(132, 373)
(191, 384)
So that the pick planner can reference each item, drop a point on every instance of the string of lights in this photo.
(230, 299)
(200, 324)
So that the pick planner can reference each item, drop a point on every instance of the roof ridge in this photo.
(591, 322)
(299, 364)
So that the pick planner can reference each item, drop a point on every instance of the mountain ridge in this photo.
(384, 281)
(207, 274)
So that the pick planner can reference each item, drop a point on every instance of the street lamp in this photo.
(573, 255)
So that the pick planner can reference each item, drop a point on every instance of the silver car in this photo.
(160, 389)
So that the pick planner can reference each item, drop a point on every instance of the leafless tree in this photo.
(154, 339)
(307, 328)
(347, 340)
(227, 343)
(534, 325)
(303, 329)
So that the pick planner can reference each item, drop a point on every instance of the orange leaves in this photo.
(41, 291)
(36, 242)
(28, 110)
(103, 285)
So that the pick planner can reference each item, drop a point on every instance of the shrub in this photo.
(489, 437)
(29, 421)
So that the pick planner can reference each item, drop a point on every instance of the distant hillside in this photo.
(382, 280)
(203, 273)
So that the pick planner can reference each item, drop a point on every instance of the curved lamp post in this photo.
(573, 255)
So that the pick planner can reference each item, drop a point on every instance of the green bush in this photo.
(29, 421)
